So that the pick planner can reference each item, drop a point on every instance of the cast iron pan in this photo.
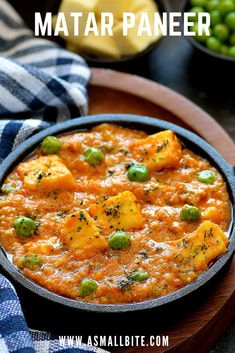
(151, 126)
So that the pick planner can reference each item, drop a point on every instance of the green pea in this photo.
(94, 156)
(225, 7)
(25, 226)
(221, 32)
(206, 177)
(190, 213)
(194, 28)
(139, 276)
(50, 145)
(230, 20)
(224, 49)
(87, 287)
(213, 44)
(203, 37)
(199, 37)
(138, 172)
(32, 262)
(231, 51)
(232, 39)
(215, 17)
(7, 189)
(119, 241)
(212, 5)
(196, 10)
(198, 2)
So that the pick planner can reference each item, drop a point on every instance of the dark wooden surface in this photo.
(211, 86)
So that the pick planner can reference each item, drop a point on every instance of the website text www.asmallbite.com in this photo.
(115, 341)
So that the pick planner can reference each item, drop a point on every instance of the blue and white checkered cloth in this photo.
(42, 84)
(39, 82)
(15, 337)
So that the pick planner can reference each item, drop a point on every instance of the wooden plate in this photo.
(115, 92)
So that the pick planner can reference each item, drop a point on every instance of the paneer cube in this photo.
(134, 43)
(104, 46)
(79, 232)
(202, 246)
(117, 7)
(144, 5)
(159, 151)
(121, 212)
(47, 173)
(68, 6)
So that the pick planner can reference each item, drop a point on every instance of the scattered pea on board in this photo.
(222, 37)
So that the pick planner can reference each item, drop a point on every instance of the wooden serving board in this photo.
(115, 92)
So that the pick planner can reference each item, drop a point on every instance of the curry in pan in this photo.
(113, 215)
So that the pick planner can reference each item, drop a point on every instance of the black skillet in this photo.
(72, 309)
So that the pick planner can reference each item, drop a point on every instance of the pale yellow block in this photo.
(201, 247)
(68, 6)
(117, 7)
(144, 5)
(121, 212)
(47, 173)
(100, 46)
(158, 151)
(133, 44)
(79, 232)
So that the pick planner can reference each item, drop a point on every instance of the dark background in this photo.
(209, 83)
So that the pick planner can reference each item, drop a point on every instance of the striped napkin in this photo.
(15, 337)
(40, 84)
